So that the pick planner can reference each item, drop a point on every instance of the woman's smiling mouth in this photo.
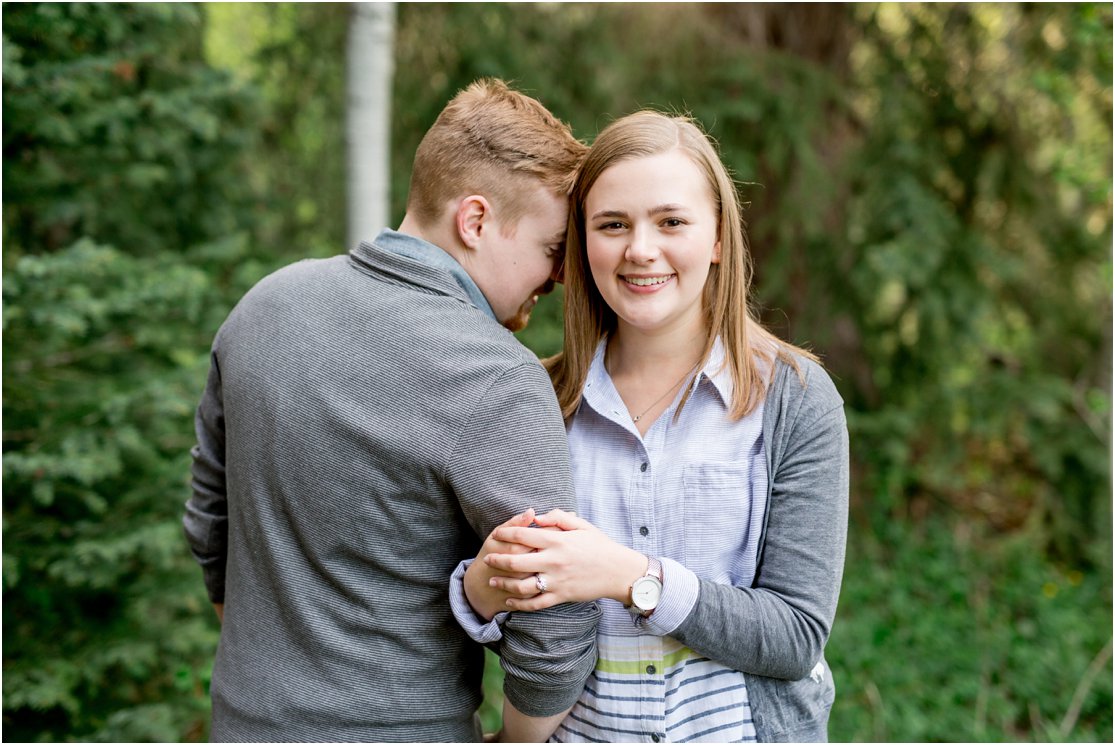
(647, 281)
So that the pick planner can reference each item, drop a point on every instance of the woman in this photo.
(710, 461)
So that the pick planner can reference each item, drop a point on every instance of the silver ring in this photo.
(540, 583)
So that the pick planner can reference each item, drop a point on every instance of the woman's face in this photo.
(651, 234)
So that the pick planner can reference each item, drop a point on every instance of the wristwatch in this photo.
(647, 590)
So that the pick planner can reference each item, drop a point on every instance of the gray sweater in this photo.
(363, 427)
(775, 631)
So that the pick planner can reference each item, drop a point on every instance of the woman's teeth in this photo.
(646, 281)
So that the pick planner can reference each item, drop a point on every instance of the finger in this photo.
(562, 519)
(526, 536)
(523, 519)
(519, 563)
(541, 601)
(511, 575)
(523, 587)
(494, 546)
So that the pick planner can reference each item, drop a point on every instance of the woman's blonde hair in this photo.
(748, 347)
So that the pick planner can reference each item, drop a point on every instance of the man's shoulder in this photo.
(478, 345)
(378, 316)
(303, 270)
(292, 280)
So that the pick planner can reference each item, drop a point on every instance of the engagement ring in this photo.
(540, 582)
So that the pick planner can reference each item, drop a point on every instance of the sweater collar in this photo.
(438, 270)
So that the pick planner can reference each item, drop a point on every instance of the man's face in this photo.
(521, 260)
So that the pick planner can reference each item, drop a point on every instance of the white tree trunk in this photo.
(370, 69)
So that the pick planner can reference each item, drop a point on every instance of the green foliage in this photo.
(105, 118)
(124, 233)
(974, 268)
(943, 635)
(294, 55)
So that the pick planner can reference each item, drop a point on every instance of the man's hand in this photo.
(485, 599)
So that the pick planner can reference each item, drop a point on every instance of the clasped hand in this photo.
(578, 561)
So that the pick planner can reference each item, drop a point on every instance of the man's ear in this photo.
(473, 214)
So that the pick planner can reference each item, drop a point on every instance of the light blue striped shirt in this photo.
(691, 493)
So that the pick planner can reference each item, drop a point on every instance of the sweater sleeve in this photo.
(778, 627)
(206, 519)
(513, 455)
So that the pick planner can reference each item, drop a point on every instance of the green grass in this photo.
(945, 635)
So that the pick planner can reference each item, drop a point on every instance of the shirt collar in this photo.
(427, 253)
(714, 371)
(718, 373)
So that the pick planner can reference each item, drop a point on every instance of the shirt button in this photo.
(655, 737)
(643, 468)
(651, 669)
(644, 531)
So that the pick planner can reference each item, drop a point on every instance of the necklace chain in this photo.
(668, 390)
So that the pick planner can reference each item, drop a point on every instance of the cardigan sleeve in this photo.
(778, 627)
(513, 455)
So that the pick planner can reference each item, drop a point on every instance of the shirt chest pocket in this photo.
(720, 540)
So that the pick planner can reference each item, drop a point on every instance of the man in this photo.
(368, 419)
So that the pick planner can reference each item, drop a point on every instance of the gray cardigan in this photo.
(775, 631)
(363, 427)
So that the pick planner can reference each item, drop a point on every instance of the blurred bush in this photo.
(127, 211)
(947, 634)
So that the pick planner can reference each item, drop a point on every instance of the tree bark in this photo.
(370, 72)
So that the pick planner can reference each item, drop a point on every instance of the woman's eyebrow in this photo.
(656, 210)
(608, 213)
(665, 208)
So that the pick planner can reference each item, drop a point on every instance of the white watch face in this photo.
(645, 593)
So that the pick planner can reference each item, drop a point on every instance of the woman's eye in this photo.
(610, 226)
(673, 222)
(554, 251)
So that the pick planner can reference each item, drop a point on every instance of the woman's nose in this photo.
(641, 248)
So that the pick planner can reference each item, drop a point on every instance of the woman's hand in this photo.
(485, 598)
(578, 563)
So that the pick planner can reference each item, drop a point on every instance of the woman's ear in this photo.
(472, 213)
(716, 253)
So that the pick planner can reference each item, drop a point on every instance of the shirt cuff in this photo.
(479, 630)
(680, 588)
